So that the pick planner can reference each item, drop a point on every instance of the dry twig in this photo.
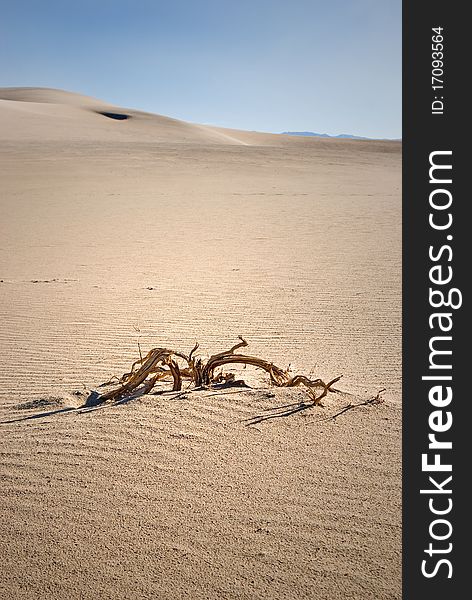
(377, 399)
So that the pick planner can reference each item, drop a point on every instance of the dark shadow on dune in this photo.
(373, 401)
(238, 383)
(290, 409)
(280, 412)
(94, 401)
(286, 410)
(112, 115)
(49, 413)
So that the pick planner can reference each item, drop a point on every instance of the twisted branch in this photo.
(161, 363)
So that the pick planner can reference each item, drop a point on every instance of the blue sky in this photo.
(268, 65)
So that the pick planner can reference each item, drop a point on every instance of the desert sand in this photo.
(152, 230)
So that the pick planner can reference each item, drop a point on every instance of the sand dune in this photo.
(157, 230)
(30, 114)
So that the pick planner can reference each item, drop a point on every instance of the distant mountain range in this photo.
(344, 136)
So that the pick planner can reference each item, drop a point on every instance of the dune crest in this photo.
(41, 114)
(48, 96)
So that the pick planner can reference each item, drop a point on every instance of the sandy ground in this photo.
(153, 230)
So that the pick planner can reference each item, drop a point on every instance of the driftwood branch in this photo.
(162, 363)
